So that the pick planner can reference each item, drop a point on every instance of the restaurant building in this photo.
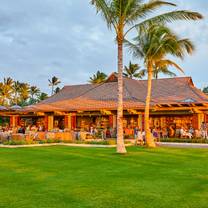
(175, 103)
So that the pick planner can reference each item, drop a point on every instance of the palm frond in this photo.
(168, 17)
(166, 62)
(143, 10)
(136, 50)
(104, 8)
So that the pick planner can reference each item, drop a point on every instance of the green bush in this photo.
(19, 142)
(50, 140)
(14, 142)
(184, 140)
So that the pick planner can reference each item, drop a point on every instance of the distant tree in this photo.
(34, 91)
(16, 90)
(98, 78)
(42, 96)
(205, 90)
(162, 70)
(24, 93)
(57, 90)
(8, 81)
(5, 93)
(134, 71)
(53, 82)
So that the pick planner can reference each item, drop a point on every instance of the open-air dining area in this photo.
(70, 117)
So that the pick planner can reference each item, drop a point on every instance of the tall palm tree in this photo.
(98, 78)
(53, 82)
(134, 71)
(16, 89)
(153, 45)
(123, 16)
(5, 93)
(34, 91)
(8, 81)
(24, 92)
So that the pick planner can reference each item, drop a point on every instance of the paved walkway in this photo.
(61, 144)
(161, 144)
(182, 145)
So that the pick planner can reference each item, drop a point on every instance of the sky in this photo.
(66, 38)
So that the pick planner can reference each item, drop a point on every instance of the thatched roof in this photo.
(180, 90)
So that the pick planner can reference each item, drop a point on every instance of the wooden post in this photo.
(140, 123)
(200, 119)
(73, 121)
(50, 122)
(67, 121)
(46, 122)
(114, 122)
(11, 120)
(14, 120)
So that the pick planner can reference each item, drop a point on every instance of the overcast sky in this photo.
(65, 38)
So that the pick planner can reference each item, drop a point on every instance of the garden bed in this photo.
(184, 140)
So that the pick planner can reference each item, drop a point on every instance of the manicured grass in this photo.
(60, 177)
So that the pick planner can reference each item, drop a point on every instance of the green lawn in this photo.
(79, 177)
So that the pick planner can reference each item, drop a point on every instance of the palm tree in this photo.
(34, 91)
(134, 71)
(53, 82)
(57, 90)
(8, 81)
(205, 90)
(5, 93)
(123, 16)
(24, 92)
(153, 45)
(162, 70)
(98, 78)
(42, 96)
(16, 89)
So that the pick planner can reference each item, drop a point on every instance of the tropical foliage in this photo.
(153, 45)
(162, 70)
(18, 93)
(98, 78)
(205, 90)
(122, 16)
(134, 71)
(53, 82)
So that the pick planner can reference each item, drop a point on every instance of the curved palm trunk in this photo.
(120, 137)
(149, 139)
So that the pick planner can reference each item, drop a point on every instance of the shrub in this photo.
(50, 140)
(185, 140)
(14, 142)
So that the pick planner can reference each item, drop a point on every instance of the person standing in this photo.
(204, 130)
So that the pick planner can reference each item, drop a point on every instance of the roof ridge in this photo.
(144, 80)
(96, 85)
(79, 85)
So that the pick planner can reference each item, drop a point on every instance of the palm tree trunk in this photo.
(120, 137)
(52, 89)
(149, 139)
(15, 98)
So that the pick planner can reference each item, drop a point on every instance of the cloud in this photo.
(65, 38)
